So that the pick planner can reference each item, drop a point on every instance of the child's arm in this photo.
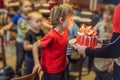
(110, 68)
(5, 28)
(35, 48)
(9, 25)
(27, 46)
(44, 42)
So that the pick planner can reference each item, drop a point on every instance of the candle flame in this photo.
(87, 30)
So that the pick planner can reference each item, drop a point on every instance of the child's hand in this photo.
(110, 68)
(1, 32)
(37, 67)
(100, 41)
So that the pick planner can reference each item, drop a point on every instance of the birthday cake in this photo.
(87, 36)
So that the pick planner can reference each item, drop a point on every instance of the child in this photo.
(107, 17)
(34, 34)
(103, 66)
(54, 44)
(20, 20)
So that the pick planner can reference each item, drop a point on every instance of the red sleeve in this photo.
(46, 40)
(116, 19)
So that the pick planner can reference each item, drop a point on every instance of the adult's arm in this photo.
(110, 51)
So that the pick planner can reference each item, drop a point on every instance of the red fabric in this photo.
(116, 19)
(1, 4)
(53, 58)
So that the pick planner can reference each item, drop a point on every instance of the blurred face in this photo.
(68, 22)
(108, 35)
(26, 7)
(35, 23)
(107, 16)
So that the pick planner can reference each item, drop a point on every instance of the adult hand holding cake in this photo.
(81, 49)
(86, 37)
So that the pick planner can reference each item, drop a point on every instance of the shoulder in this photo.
(29, 32)
(50, 33)
(16, 18)
(28, 36)
(100, 23)
(118, 6)
(17, 15)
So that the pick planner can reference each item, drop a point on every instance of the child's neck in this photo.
(35, 30)
(24, 15)
(59, 30)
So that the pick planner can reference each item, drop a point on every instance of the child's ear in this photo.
(61, 20)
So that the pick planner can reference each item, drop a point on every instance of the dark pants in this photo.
(19, 57)
(57, 76)
(102, 75)
(116, 72)
(29, 64)
(67, 76)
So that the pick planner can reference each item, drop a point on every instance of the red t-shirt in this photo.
(53, 57)
(116, 19)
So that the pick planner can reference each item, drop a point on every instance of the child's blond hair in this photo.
(33, 14)
(22, 2)
(110, 9)
(60, 11)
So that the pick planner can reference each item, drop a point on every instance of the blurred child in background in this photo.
(104, 66)
(107, 18)
(34, 34)
(20, 20)
(54, 44)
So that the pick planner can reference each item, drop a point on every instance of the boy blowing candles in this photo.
(34, 34)
(54, 44)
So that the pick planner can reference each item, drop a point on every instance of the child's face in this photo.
(36, 23)
(26, 7)
(107, 16)
(108, 35)
(68, 22)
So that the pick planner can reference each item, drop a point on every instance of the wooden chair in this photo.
(80, 60)
(3, 17)
(33, 76)
(3, 21)
(2, 54)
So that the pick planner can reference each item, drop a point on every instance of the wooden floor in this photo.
(11, 60)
